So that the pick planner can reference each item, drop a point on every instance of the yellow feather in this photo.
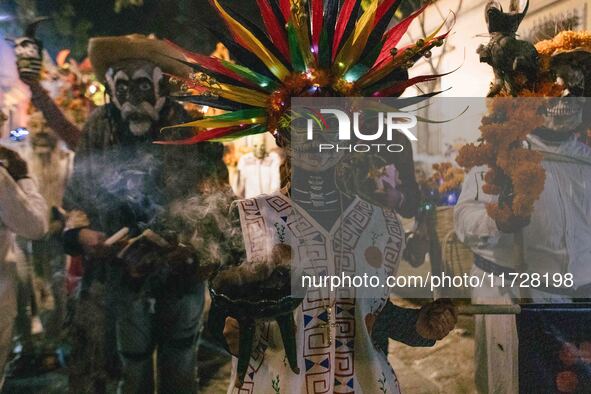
(432, 35)
(212, 122)
(355, 45)
(253, 44)
(376, 75)
(240, 94)
(300, 22)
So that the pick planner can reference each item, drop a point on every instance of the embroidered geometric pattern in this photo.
(327, 350)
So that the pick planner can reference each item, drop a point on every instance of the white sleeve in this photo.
(22, 209)
(275, 183)
(472, 224)
(240, 181)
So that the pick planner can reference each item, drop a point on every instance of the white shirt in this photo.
(258, 176)
(558, 238)
(52, 174)
(22, 211)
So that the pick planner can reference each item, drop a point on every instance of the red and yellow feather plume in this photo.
(307, 48)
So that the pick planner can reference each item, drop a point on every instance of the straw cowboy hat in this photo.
(105, 52)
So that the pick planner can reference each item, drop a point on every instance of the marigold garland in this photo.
(447, 177)
(564, 41)
(515, 173)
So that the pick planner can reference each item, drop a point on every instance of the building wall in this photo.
(473, 78)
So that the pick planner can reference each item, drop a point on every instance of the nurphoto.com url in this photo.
(434, 282)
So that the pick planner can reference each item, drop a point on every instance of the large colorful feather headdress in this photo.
(307, 48)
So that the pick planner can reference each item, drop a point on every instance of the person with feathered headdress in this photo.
(311, 49)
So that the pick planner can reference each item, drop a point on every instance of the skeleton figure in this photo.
(507, 55)
(28, 51)
(555, 239)
(566, 114)
(320, 203)
(258, 171)
(50, 164)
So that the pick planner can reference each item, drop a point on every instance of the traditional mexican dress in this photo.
(334, 346)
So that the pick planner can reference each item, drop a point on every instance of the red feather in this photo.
(342, 21)
(285, 9)
(395, 34)
(317, 21)
(399, 88)
(382, 9)
(206, 135)
(386, 60)
(213, 64)
(275, 31)
(401, 51)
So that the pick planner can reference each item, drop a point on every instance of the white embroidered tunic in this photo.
(334, 346)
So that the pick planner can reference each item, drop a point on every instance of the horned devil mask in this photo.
(135, 88)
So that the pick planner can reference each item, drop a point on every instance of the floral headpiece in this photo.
(307, 48)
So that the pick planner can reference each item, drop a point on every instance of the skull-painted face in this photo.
(29, 56)
(27, 47)
(565, 114)
(43, 140)
(259, 147)
(135, 87)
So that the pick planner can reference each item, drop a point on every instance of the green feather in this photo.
(241, 114)
(264, 82)
(324, 50)
(258, 129)
(294, 49)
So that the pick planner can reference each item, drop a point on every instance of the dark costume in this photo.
(122, 179)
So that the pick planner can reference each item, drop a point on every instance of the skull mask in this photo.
(259, 147)
(136, 90)
(43, 140)
(565, 114)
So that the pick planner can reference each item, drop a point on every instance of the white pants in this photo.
(495, 338)
(496, 345)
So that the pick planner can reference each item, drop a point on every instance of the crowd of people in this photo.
(136, 313)
(118, 226)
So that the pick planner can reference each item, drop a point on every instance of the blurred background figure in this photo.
(22, 211)
(42, 290)
(258, 171)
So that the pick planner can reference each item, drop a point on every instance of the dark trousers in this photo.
(157, 342)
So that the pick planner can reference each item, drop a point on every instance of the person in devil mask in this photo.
(122, 180)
